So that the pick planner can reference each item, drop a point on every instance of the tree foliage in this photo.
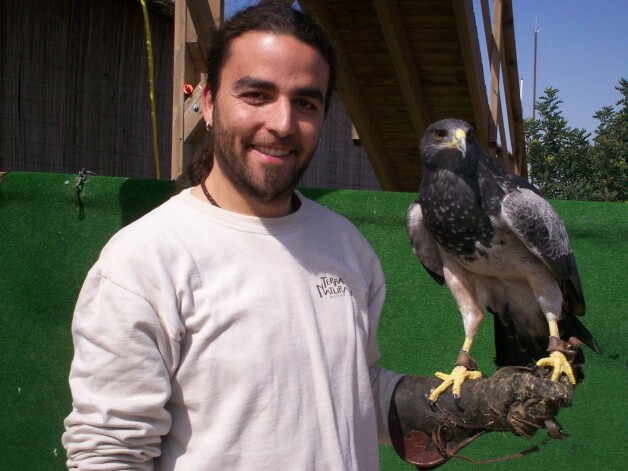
(565, 164)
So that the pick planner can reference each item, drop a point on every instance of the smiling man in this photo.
(235, 326)
(203, 338)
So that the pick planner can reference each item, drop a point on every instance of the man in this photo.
(207, 336)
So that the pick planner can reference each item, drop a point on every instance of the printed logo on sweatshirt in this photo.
(332, 287)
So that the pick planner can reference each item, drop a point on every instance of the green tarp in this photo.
(49, 239)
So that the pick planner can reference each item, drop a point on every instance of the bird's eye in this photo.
(439, 134)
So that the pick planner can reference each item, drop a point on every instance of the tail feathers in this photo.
(512, 348)
(571, 326)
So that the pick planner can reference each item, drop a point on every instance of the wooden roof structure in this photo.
(403, 64)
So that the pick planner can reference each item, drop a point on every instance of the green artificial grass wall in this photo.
(48, 243)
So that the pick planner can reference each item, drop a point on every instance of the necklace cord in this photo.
(295, 203)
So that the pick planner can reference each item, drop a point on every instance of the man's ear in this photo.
(208, 106)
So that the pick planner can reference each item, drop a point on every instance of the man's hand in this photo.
(517, 400)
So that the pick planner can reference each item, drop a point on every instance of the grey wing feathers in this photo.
(537, 224)
(424, 244)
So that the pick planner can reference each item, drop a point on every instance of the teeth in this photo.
(272, 151)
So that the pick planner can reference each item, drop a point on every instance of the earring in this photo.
(207, 126)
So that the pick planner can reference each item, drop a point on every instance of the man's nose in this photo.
(280, 119)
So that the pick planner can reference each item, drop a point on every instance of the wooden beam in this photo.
(204, 17)
(349, 90)
(494, 44)
(397, 42)
(493, 47)
(512, 91)
(194, 22)
(178, 80)
(467, 31)
(194, 49)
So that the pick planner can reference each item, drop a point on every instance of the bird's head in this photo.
(447, 141)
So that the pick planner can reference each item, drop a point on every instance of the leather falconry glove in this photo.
(514, 399)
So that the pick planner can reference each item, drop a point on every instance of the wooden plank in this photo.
(400, 141)
(370, 59)
(456, 68)
(203, 24)
(427, 22)
(377, 80)
(179, 49)
(447, 81)
(498, 38)
(381, 90)
(354, 22)
(513, 97)
(430, 46)
(442, 59)
(424, 71)
(386, 58)
(195, 51)
(494, 40)
(365, 20)
(194, 21)
(423, 7)
(433, 34)
(465, 20)
(353, 44)
(494, 43)
(391, 127)
(354, 101)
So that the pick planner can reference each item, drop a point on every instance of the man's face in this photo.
(268, 113)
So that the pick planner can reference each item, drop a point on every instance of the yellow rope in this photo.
(153, 115)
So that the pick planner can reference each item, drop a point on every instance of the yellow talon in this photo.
(559, 363)
(458, 376)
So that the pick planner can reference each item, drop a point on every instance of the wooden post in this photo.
(194, 21)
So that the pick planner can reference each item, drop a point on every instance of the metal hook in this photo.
(80, 180)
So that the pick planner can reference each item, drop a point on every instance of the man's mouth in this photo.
(272, 151)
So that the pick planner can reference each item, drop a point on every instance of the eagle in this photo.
(501, 248)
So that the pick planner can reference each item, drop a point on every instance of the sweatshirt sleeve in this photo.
(383, 381)
(120, 379)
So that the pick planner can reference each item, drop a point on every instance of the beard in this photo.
(276, 182)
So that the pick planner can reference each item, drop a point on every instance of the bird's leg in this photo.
(557, 359)
(462, 287)
(463, 369)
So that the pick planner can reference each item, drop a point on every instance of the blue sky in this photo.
(582, 51)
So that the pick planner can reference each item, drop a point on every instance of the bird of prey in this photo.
(501, 248)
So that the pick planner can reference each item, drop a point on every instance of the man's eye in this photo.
(254, 97)
(307, 104)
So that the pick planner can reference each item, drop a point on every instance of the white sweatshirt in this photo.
(206, 339)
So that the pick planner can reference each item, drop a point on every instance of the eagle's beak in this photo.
(459, 140)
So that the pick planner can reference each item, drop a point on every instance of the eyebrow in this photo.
(251, 82)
